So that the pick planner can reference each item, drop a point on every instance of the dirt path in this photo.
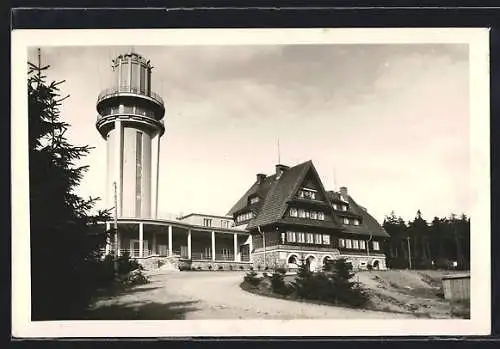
(211, 295)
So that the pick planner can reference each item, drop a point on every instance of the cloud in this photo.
(391, 119)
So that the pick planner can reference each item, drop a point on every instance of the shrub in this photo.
(278, 284)
(184, 265)
(221, 267)
(258, 267)
(252, 279)
(303, 282)
(135, 277)
(241, 267)
(230, 267)
(369, 267)
(210, 267)
(251, 268)
(281, 270)
(199, 267)
(333, 285)
(266, 268)
(126, 265)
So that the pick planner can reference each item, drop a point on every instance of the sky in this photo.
(388, 121)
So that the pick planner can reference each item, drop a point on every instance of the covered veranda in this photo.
(146, 238)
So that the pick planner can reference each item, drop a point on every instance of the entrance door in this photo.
(311, 263)
(245, 253)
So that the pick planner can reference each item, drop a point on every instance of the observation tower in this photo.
(130, 120)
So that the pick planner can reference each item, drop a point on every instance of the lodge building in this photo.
(282, 220)
(292, 219)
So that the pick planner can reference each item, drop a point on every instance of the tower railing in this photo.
(114, 91)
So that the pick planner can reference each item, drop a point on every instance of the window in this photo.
(244, 216)
(302, 213)
(376, 246)
(341, 243)
(348, 243)
(307, 214)
(317, 239)
(346, 220)
(254, 200)
(290, 236)
(326, 239)
(225, 224)
(344, 208)
(301, 237)
(321, 216)
(362, 245)
(310, 238)
(314, 215)
(135, 82)
(124, 69)
(142, 81)
(355, 244)
(335, 207)
(293, 212)
(356, 222)
(207, 222)
(307, 194)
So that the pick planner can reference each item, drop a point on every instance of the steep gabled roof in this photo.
(274, 203)
(260, 189)
(275, 194)
(369, 224)
(281, 191)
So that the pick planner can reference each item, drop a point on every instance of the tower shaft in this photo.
(130, 120)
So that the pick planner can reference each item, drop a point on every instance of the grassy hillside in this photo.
(418, 292)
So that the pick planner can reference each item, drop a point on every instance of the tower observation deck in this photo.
(131, 121)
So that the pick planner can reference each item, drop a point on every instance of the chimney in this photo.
(260, 178)
(343, 192)
(280, 169)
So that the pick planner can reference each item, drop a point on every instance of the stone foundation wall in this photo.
(156, 262)
(279, 259)
(214, 266)
(273, 259)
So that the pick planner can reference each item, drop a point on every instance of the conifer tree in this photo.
(64, 252)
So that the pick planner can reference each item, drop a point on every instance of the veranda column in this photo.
(154, 243)
(118, 243)
(141, 239)
(170, 241)
(189, 244)
(250, 252)
(108, 240)
(213, 245)
(235, 245)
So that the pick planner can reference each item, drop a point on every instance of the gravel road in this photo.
(212, 295)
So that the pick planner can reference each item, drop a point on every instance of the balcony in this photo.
(105, 123)
(116, 91)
